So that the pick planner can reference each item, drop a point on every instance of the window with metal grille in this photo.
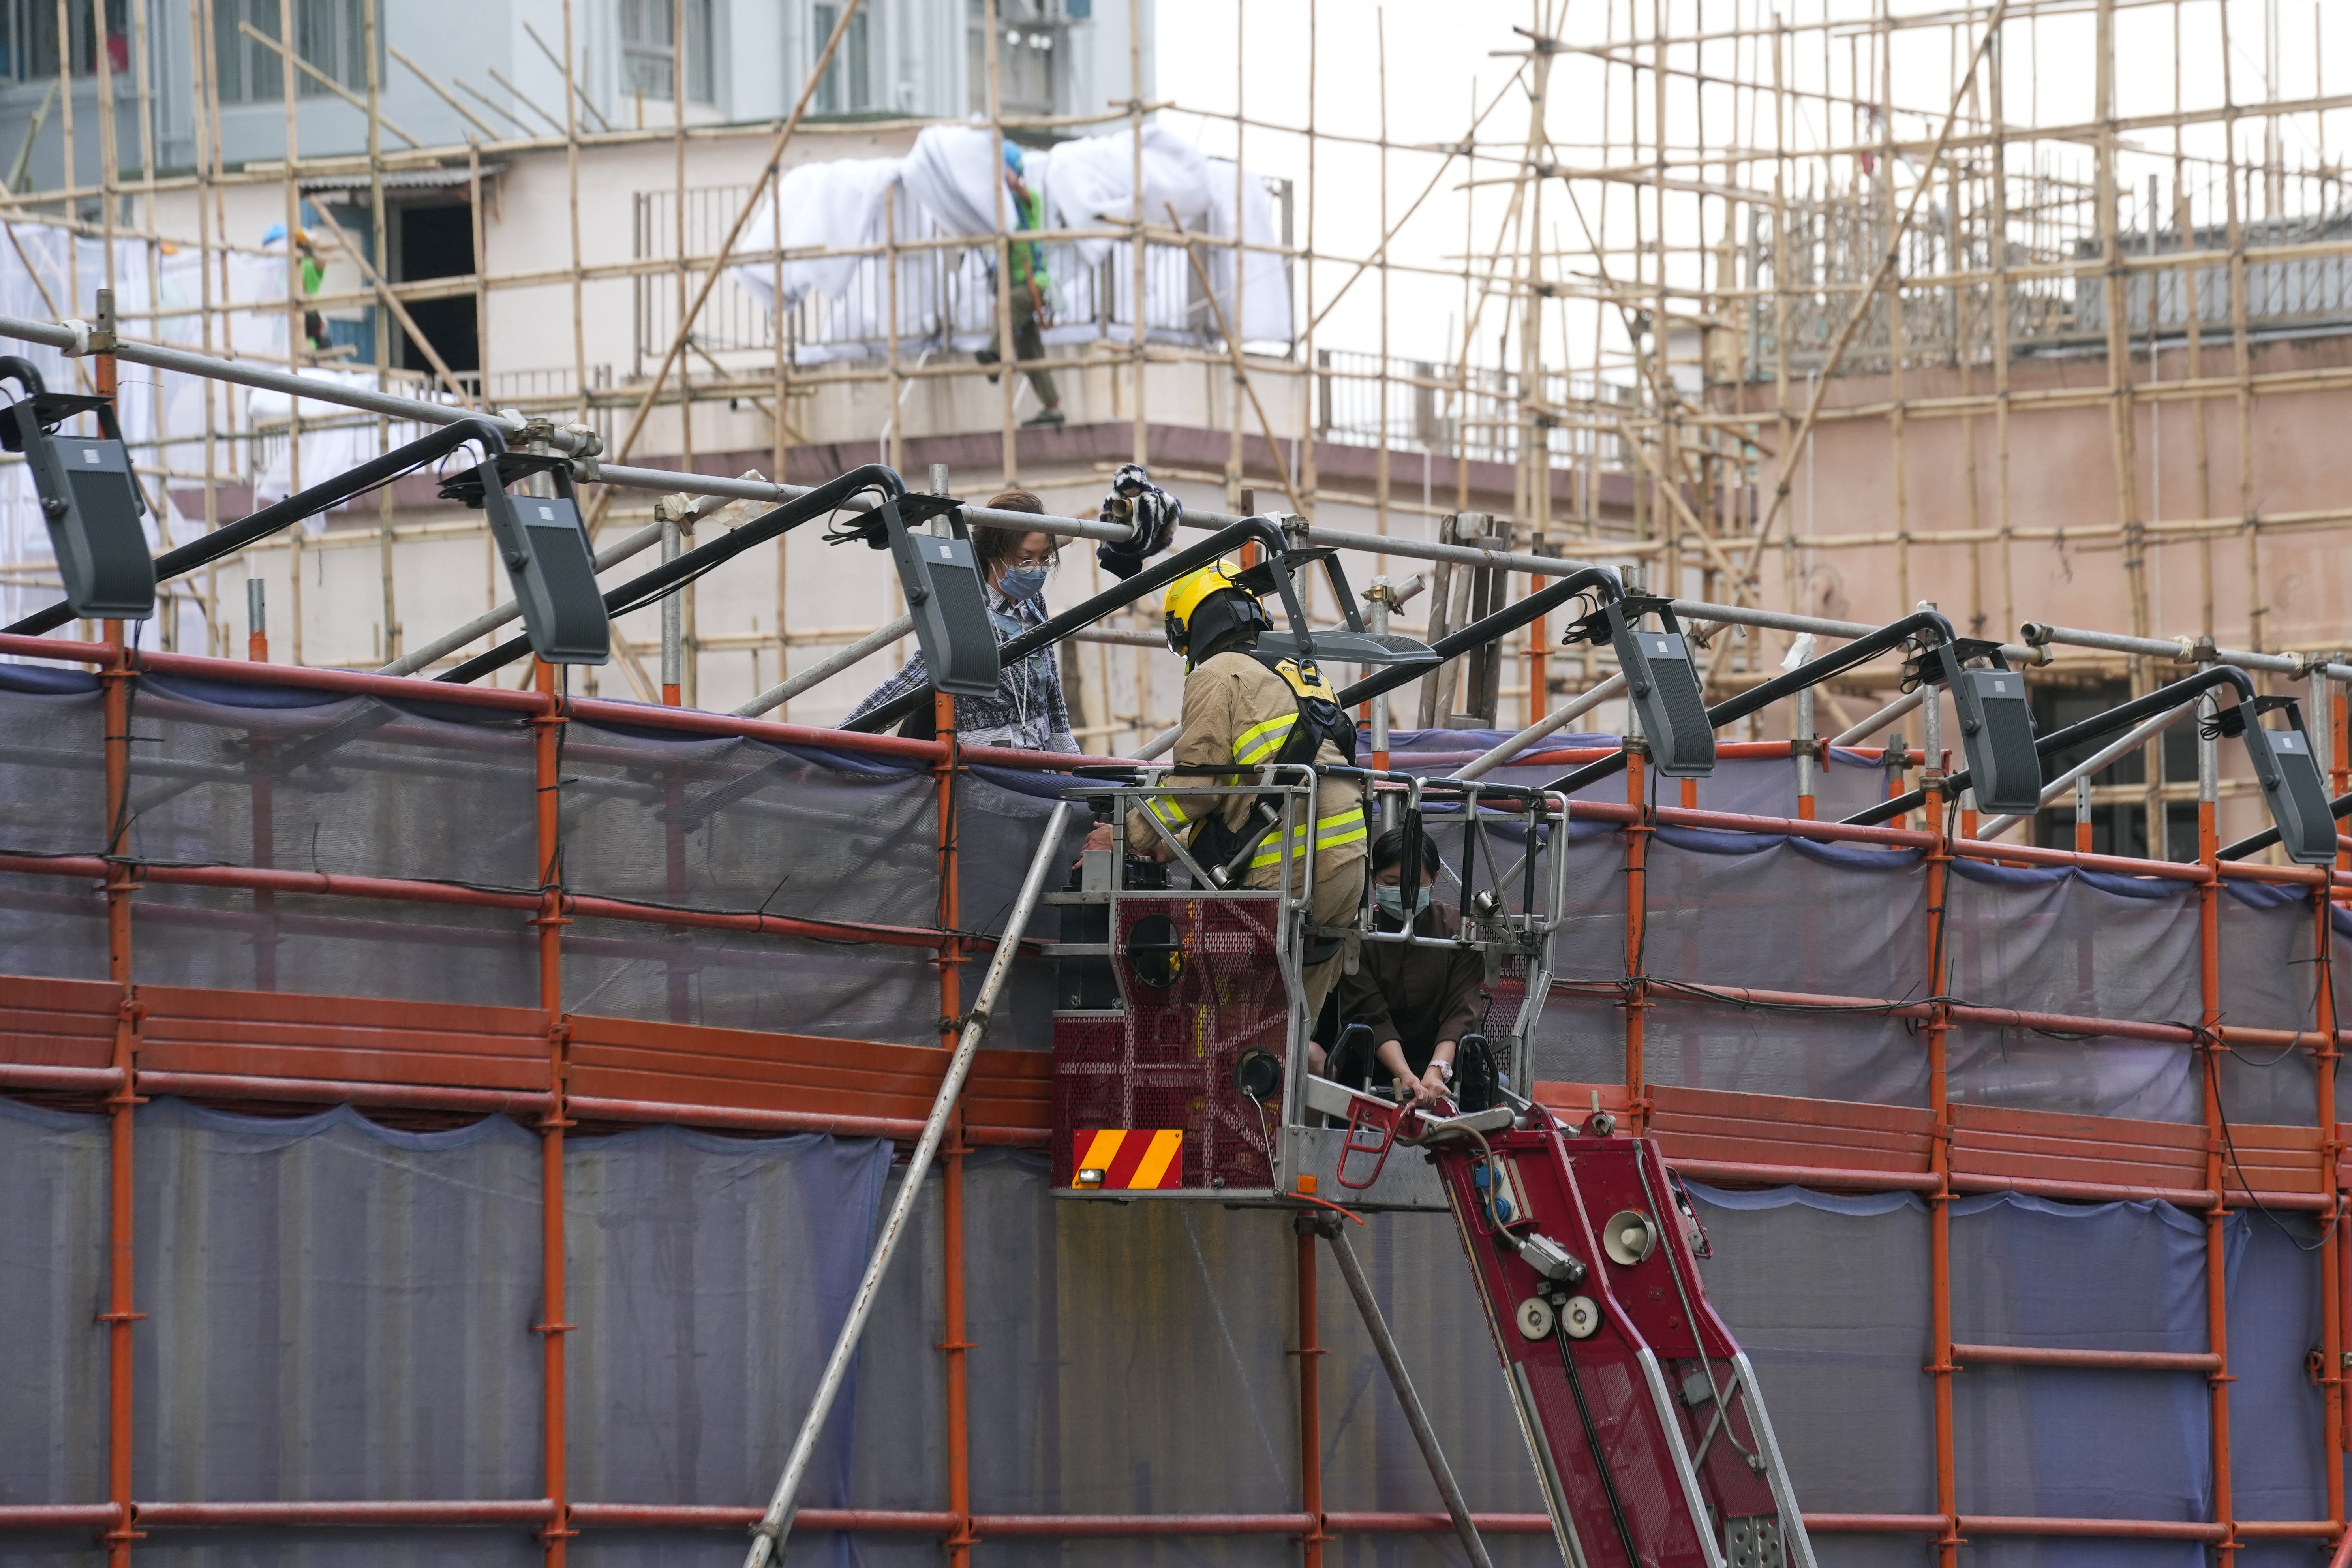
(1032, 50)
(328, 34)
(649, 48)
(28, 39)
(848, 84)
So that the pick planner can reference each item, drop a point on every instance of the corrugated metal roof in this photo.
(397, 180)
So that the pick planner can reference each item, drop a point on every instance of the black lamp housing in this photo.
(1662, 681)
(1995, 725)
(90, 498)
(2288, 771)
(547, 560)
(942, 579)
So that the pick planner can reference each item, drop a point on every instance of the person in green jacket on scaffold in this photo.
(1025, 267)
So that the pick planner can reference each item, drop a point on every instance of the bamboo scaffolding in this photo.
(1669, 449)
(1957, 252)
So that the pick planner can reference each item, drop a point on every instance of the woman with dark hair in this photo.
(1027, 711)
(1419, 998)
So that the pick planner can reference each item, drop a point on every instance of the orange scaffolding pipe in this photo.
(481, 1513)
(122, 1105)
(547, 732)
(2217, 1331)
(1639, 826)
(954, 1344)
(122, 1519)
(1939, 1201)
(1311, 1353)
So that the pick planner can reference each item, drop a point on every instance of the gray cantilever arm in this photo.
(1731, 710)
(1478, 634)
(2096, 727)
(280, 515)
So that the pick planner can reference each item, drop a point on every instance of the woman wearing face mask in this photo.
(1027, 711)
(1419, 999)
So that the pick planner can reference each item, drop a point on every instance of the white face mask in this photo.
(1392, 899)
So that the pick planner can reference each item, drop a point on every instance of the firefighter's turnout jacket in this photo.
(1238, 713)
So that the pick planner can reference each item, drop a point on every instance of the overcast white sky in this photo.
(1442, 55)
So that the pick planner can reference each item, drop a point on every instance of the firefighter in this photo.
(1247, 709)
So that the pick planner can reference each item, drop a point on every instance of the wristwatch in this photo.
(1445, 1069)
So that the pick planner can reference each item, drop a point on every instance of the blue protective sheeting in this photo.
(708, 1277)
(46, 680)
(337, 1309)
(2276, 1411)
(2081, 1443)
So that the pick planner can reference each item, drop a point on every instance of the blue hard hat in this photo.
(273, 234)
(1012, 156)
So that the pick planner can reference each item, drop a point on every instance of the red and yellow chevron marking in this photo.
(1131, 1160)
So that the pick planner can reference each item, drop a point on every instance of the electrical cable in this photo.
(1634, 976)
(2211, 1041)
(1600, 1455)
(1266, 1129)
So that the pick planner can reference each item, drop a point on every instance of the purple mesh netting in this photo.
(337, 1310)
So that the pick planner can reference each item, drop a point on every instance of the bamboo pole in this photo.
(2121, 418)
(370, 19)
(1008, 352)
(1882, 40)
(770, 171)
(2192, 309)
(214, 644)
(108, 163)
(575, 95)
(2241, 358)
(1793, 448)
(295, 343)
(368, 106)
(1231, 334)
(897, 426)
(1690, 444)
(1309, 384)
(681, 85)
(1140, 447)
(421, 74)
(1231, 329)
(71, 176)
(779, 441)
(495, 107)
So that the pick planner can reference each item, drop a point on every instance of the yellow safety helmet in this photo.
(1189, 594)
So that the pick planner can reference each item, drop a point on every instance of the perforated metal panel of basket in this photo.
(1505, 999)
(1202, 986)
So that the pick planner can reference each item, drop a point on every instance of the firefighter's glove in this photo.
(1152, 516)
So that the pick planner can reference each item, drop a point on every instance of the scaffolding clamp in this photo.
(526, 434)
(101, 339)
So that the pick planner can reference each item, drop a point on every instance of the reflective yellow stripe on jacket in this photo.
(1254, 747)
(1169, 810)
(1345, 825)
(1260, 742)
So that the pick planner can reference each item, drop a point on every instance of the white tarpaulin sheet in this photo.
(947, 186)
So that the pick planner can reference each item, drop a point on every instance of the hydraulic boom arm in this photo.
(1648, 1430)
